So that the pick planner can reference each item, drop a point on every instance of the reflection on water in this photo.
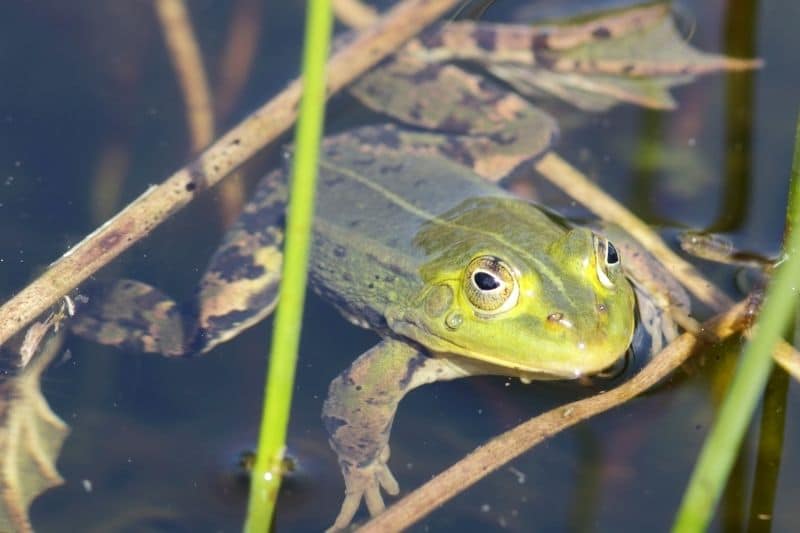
(92, 114)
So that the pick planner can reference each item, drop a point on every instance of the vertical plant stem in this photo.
(770, 449)
(266, 475)
(720, 448)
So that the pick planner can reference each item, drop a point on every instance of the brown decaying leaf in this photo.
(31, 436)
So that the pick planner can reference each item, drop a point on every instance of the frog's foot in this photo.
(365, 482)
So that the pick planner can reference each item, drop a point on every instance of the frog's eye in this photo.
(490, 285)
(607, 260)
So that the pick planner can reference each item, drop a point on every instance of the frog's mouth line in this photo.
(459, 351)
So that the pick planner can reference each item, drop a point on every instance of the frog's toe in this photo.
(387, 481)
(365, 482)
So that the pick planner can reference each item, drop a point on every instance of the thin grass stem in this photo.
(267, 470)
(719, 450)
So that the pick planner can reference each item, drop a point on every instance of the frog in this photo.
(416, 239)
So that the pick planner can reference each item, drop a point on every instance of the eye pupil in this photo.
(485, 281)
(612, 257)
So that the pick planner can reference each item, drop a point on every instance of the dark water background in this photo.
(158, 439)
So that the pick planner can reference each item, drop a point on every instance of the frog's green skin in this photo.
(401, 220)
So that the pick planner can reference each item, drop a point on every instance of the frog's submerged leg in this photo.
(358, 415)
(478, 124)
(239, 288)
(240, 285)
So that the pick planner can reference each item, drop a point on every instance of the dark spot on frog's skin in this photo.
(333, 423)
(601, 33)
(457, 152)
(432, 39)
(392, 169)
(339, 251)
(485, 38)
(502, 138)
(454, 125)
(230, 265)
(414, 364)
(430, 72)
(545, 60)
(347, 277)
(333, 181)
(540, 42)
(627, 69)
(416, 111)
(190, 186)
(364, 160)
(371, 285)
(262, 217)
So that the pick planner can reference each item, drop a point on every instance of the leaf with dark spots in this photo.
(31, 435)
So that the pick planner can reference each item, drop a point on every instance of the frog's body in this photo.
(412, 240)
(457, 276)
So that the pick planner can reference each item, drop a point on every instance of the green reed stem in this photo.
(720, 448)
(267, 470)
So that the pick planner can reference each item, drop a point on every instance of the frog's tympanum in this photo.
(412, 240)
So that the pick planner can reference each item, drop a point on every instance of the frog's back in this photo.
(371, 203)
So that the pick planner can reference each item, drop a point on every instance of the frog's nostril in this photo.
(559, 318)
(555, 317)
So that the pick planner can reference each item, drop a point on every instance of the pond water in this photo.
(92, 114)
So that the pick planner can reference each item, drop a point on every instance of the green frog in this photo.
(414, 240)
(457, 277)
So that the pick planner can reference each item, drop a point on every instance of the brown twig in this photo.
(354, 13)
(188, 63)
(509, 445)
(235, 147)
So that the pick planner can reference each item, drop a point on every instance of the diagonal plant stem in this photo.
(160, 202)
(509, 445)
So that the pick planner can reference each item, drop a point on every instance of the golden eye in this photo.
(490, 285)
(607, 260)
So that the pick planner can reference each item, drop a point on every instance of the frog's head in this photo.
(562, 310)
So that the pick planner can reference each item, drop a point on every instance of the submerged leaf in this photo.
(31, 436)
(638, 66)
